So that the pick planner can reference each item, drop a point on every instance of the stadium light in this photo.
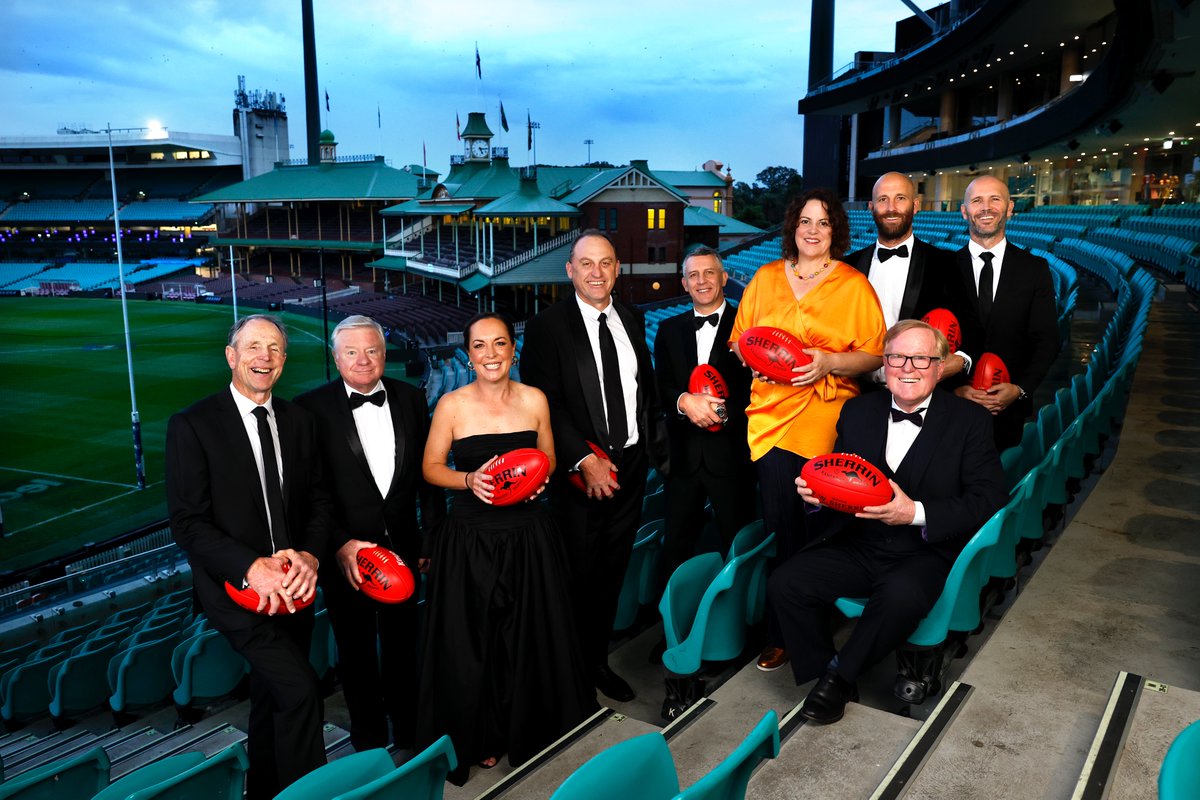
(156, 130)
(139, 461)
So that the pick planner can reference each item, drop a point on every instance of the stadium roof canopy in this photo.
(698, 216)
(339, 181)
(527, 201)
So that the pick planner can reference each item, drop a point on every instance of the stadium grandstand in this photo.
(1061, 658)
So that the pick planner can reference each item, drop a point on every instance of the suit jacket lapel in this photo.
(589, 371)
(720, 346)
(864, 261)
(637, 339)
(912, 284)
(243, 453)
(288, 445)
(967, 273)
(925, 446)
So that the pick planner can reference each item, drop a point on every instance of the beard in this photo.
(892, 230)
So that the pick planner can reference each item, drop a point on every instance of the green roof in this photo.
(421, 208)
(698, 216)
(481, 180)
(476, 125)
(601, 180)
(559, 181)
(527, 201)
(421, 171)
(397, 263)
(549, 267)
(690, 177)
(356, 180)
(473, 282)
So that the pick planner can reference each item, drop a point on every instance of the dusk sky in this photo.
(676, 83)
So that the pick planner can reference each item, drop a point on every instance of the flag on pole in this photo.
(378, 117)
(457, 126)
(478, 68)
(503, 119)
(529, 133)
(326, 99)
(424, 156)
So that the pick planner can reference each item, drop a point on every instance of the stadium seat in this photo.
(728, 780)
(128, 614)
(705, 607)
(654, 506)
(140, 676)
(24, 689)
(74, 776)
(74, 633)
(79, 684)
(640, 767)
(205, 667)
(153, 773)
(745, 541)
(222, 777)
(639, 575)
(320, 652)
(1179, 778)
(341, 776)
(421, 778)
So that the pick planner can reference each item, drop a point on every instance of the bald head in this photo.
(893, 203)
(986, 208)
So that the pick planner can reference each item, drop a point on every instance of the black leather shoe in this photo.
(612, 685)
(826, 702)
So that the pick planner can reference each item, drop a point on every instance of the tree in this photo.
(763, 203)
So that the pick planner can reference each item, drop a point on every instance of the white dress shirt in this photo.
(707, 335)
(245, 407)
(900, 438)
(889, 278)
(626, 361)
(378, 437)
(997, 262)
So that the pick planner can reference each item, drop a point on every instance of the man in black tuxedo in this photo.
(704, 464)
(1015, 297)
(246, 503)
(912, 277)
(372, 432)
(588, 354)
(937, 452)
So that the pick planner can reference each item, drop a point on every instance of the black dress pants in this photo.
(732, 498)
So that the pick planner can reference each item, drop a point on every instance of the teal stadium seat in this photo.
(222, 777)
(341, 776)
(24, 689)
(639, 575)
(153, 773)
(654, 505)
(640, 768)
(205, 667)
(421, 778)
(140, 676)
(76, 776)
(728, 780)
(744, 542)
(706, 605)
(79, 683)
(1179, 778)
(321, 650)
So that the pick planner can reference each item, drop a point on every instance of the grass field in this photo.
(66, 449)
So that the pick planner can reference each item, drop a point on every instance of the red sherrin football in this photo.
(517, 475)
(386, 577)
(248, 599)
(846, 482)
(989, 371)
(576, 478)
(706, 380)
(944, 320)
(772, 352)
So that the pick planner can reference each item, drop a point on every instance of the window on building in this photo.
(662, 218)
(662, 255)
(602, 220)
(650, 255)
(650, 218)
(717, 202)
(612, 219)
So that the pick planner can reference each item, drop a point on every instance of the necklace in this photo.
(795, 268)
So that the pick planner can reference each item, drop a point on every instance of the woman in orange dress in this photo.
(832, 309)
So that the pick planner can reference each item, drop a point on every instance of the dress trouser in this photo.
(732, 498)
(783, 514)
(284, 741)
(901, 578)
(377, 664)
(598, 536)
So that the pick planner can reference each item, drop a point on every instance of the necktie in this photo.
(712, 319)
(913, 417)
(884, 253)
(279, 535)
(357, 399)
(614, 396)
(985, 286)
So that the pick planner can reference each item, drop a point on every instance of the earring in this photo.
(470, 366)
(516, 360)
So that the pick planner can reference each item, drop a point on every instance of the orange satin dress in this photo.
(840, 314)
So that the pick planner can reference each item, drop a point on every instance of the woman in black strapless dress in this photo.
(502, 670)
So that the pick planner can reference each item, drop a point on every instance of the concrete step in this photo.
(69, 745)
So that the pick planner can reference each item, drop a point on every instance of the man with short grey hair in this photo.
(371, 431)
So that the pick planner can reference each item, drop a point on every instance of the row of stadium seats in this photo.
(28, 277)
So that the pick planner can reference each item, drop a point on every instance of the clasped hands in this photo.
(822, 364)
(995, 399)
(480, 483)
(282, 579)
(701, 409)
(900, 510)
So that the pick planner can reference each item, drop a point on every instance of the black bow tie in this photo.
(914, 417)
(357, 399)
(885, 254)
(712, 319)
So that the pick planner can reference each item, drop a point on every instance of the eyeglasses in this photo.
(897, 360)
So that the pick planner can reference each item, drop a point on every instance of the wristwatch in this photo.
(1021, 393)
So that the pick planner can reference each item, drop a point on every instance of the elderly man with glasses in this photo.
(937, 452)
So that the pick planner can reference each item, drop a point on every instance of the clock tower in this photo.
(477, 139)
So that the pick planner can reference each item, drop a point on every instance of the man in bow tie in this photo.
(371, 431)
(937, 452)
(912, 277)
(713, 465)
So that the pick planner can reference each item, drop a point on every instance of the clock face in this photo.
(479, 148)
